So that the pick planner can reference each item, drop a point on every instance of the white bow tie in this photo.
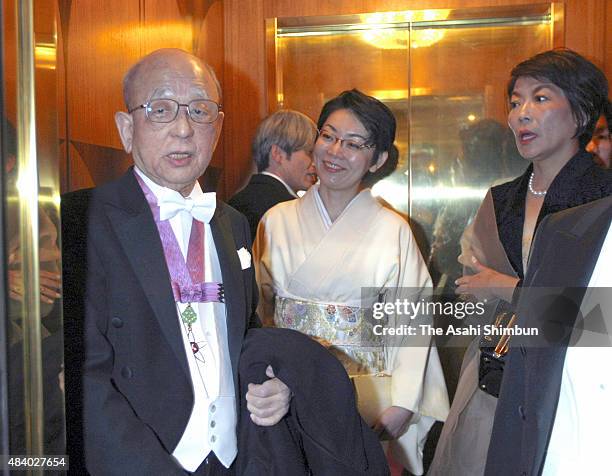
(202, 207)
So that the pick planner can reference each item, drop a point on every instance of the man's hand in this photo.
(268, 402)
(392, 423)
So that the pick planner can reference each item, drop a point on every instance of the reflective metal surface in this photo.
(34, 340)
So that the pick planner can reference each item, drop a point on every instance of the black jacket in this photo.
(261, 194)
(323, 434)
(565, 251)
(579, 181)
(135, 386)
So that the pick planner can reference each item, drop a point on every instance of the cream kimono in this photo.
(319, 277)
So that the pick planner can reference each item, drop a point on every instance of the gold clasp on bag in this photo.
(502, 346)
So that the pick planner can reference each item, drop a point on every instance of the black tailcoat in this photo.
(127, 366)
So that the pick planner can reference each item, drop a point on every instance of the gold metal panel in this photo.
(27, 182)
(35, 423)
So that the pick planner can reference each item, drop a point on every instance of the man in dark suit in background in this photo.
(282, 151)
(170, 290)
(555, 398)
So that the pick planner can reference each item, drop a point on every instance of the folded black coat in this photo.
(323, 433)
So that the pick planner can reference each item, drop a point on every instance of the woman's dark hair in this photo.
(378, 121)
(585, 86)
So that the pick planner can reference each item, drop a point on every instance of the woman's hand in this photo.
(392, 423)
(486, 283)
(50, 285)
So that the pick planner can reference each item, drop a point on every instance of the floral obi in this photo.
(344, 330)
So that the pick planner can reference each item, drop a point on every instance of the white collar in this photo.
(327, 221)
(159, 190)
(289, 189)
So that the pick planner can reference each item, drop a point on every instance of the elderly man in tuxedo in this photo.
(170, 289)
(555, 397)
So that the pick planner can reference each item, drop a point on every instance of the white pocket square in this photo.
(245, 258)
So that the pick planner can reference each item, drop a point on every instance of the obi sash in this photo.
(344, 330)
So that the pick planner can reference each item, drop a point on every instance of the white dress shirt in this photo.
(212, 424)
(579, 442)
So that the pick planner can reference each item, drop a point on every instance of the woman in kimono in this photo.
(323, 259)
(555, 99)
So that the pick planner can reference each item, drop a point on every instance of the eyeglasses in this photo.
(203, 111)
(347, 145)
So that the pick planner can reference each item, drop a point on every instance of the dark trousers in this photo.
(211, 466)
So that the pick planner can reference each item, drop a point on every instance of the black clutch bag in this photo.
(493, 349)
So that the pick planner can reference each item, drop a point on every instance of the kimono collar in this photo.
(362, 197)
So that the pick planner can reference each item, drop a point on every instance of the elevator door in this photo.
(31, 335)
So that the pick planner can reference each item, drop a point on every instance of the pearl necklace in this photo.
(537, 193)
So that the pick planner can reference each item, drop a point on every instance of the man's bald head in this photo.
(175, 153)
(167, 58)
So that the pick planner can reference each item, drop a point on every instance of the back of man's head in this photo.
(289, 130)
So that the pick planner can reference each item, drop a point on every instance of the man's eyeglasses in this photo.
(347, 145)
(203, 111)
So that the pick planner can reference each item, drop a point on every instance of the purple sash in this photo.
(187, 278)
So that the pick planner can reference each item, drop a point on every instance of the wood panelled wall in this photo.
(99, 40)
(97, 43)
